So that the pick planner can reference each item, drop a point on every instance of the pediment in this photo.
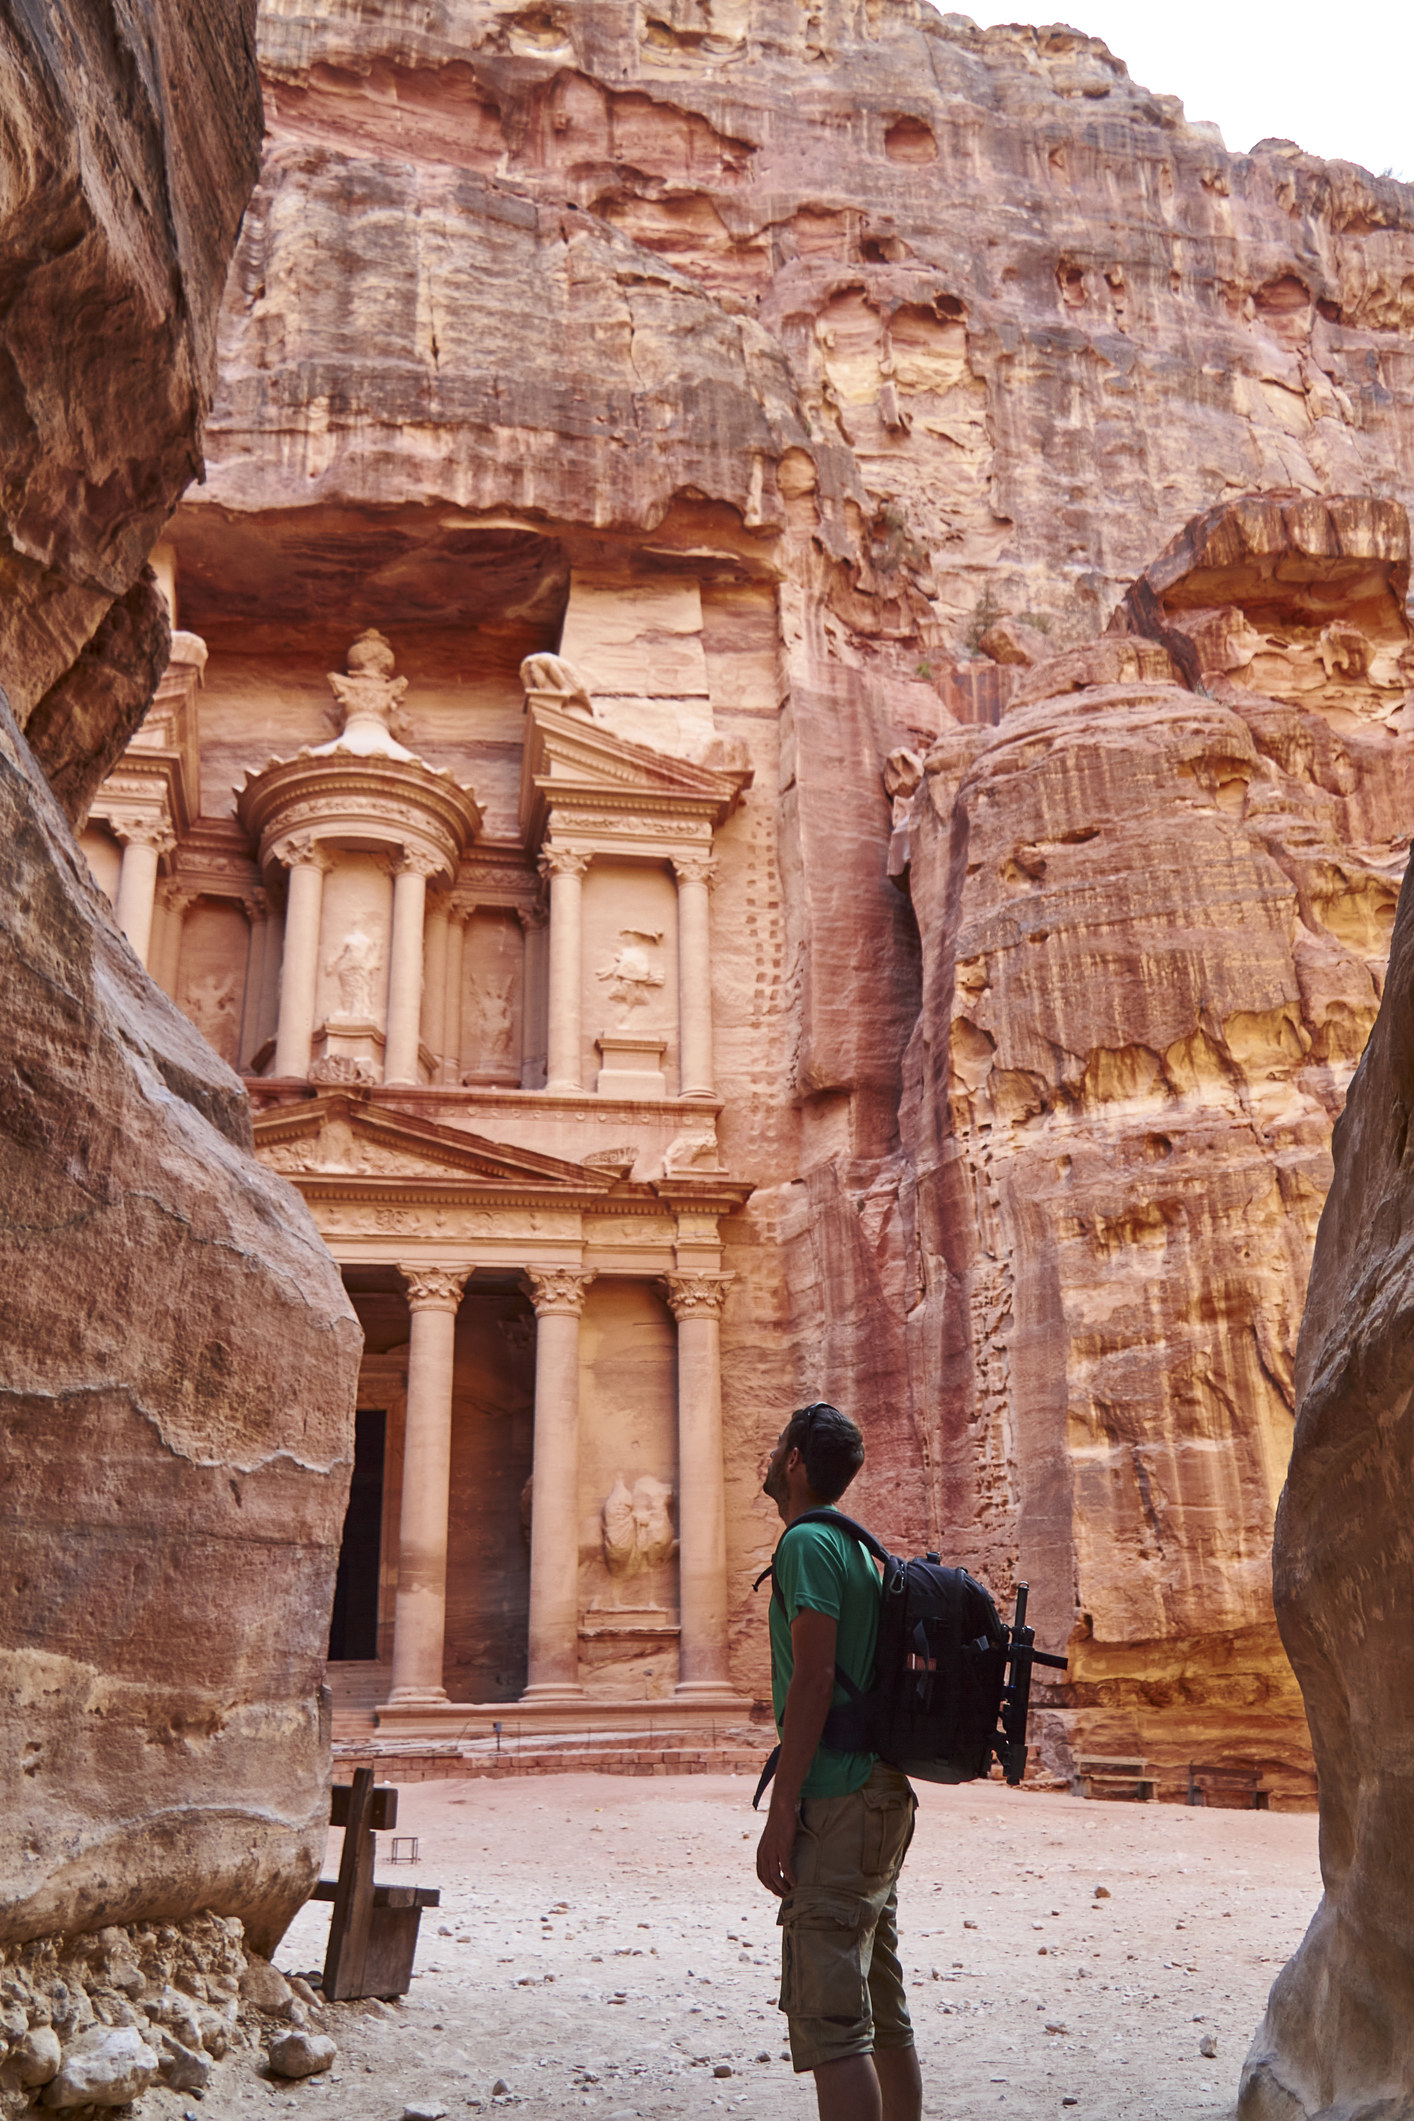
(343, 1138)
(569, 758)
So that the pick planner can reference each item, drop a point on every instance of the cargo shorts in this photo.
(841, 1981)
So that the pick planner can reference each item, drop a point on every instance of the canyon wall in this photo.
(180, 1358)
(885, 354)
(1336, 2037)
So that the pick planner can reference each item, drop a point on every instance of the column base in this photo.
(563, 1087)
(416, 1697)
(708, 1693)
(551, 1691)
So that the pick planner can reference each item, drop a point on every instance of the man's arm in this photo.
(811, 1691)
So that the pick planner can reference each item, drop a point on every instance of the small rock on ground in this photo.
(301, 2054)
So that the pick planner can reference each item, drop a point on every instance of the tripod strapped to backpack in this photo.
(951, 1686)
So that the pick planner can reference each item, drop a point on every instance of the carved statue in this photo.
(638, 1526)
(493, 1002)
(630, 972)
(552, 682)
(355, 969)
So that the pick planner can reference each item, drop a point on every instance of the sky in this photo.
(1336, 78)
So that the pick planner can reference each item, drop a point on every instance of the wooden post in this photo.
(353, 1897)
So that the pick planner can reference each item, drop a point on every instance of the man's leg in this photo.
(900, 2083)
(848, 2090)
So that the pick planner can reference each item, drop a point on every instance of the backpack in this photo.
(940, 1685)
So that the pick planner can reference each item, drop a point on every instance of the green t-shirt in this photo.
(822, 1569)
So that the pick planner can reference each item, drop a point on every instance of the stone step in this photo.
(621, 1754)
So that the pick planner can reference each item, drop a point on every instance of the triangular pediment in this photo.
(343, 1137)
(568, 757)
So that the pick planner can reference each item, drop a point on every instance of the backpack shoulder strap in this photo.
(860, 1532)
(845, 1524)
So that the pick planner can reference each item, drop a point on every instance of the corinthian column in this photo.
(145, 840)
(405, 966)
(565, 871)
(696, 1073)
(307, 863)
(420, 1617)
(696, 1301)
(558, 1295)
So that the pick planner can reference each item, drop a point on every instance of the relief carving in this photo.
(638, 1526)
(630, 974)
(355, 971)
(210, 1002)
(339, 1069)
(496, 1026)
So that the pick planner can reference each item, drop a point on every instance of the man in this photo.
(839, 1823)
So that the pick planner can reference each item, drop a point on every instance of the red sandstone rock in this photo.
(180, 1359)
(174, 1438)
(1336, 2037)
(81, 727)
(132, 144)
(1153, 939)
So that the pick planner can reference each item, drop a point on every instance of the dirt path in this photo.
(603, 1948)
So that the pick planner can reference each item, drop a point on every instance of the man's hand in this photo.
(812, 1687)
(773, 1852)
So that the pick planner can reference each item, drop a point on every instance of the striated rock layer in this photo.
(1154, 931)
(131, 143)
(179, 1362)
(1336, 2040)
(885, 354)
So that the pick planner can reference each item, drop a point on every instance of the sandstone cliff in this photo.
(1336, 2037)
(180, 1358)
(909, 346)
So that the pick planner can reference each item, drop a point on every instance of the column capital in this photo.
(695, 868)
(697, 1295)
(301, 850)
(417, 861)
(563, 861)
(558, 1289)
(138, 828)
(435, 1288)
(256, 902)
(536, 916)
(176, 898)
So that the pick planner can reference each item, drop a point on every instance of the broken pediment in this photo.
(599, 788)
(345, 1138)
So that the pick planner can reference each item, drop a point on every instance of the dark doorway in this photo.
(353, 1631)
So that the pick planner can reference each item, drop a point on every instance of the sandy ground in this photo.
(603, 1947)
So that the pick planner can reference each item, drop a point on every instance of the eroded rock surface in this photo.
(174, 1416)
(179, 1366)
(1336, 2039)
(130, 149)
(1154, 932)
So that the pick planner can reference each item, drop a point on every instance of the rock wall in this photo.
(1155, 925)
(908, 346)
(130, 148)
(177, 1386)
(1336, 2037)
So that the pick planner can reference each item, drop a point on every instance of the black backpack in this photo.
(940, 1686)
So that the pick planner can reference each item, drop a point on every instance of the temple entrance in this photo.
(353, 1629)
